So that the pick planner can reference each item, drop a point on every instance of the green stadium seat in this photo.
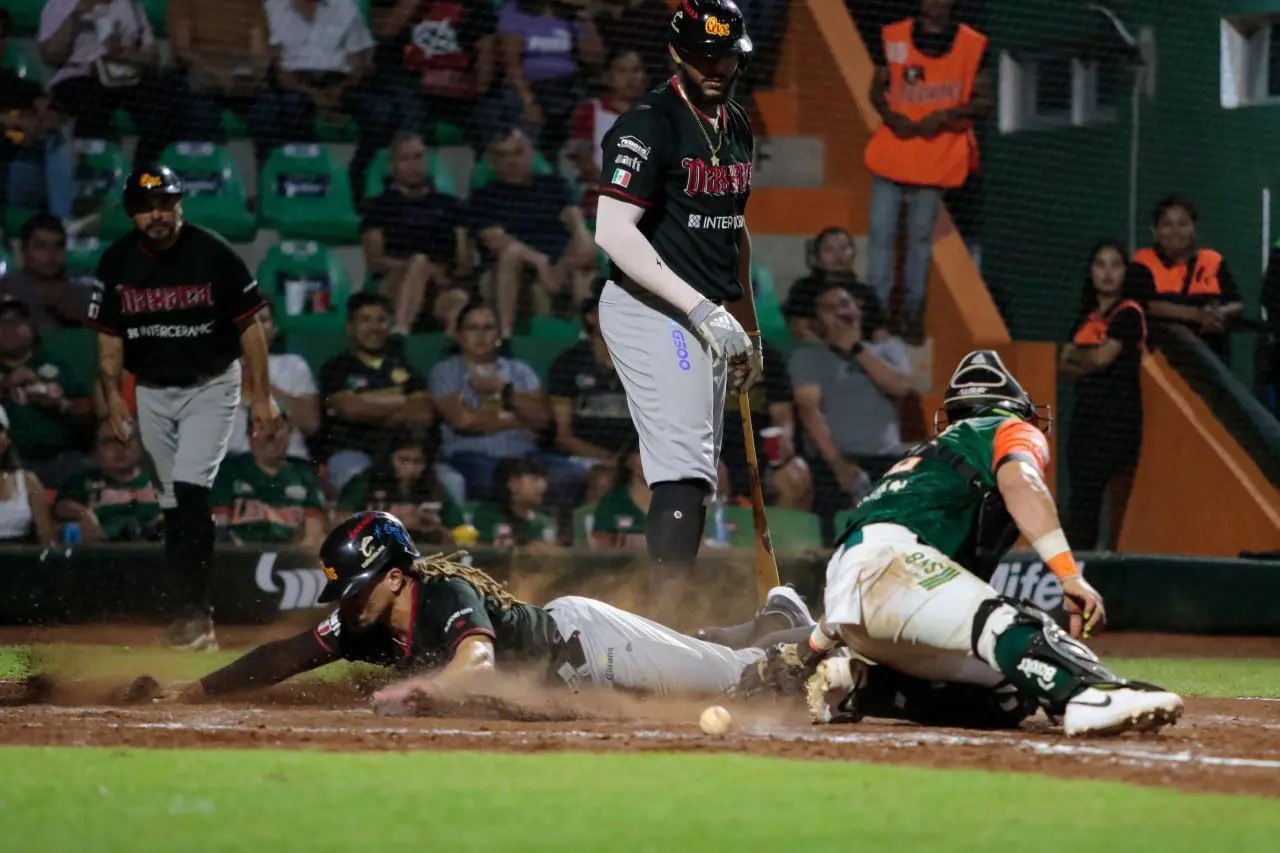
(123, 124)
(379, 169)
(538, 352)
(215, 194)
(307, 287)
(584, 518)
(342, 129)
(100, 177)
(157, 14)
(443, 134)
(7, 263)
(773, 326)
(554, 328)
(317, 348)
(483, 172)
(14, 217)
(424, 352)
(83, 254)
(305, 194)
(25, 15)
(23, 57)
(842, 520)
(233, 127)
(789, 529)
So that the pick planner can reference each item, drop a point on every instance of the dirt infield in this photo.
(1222, 745)
(1226, 746)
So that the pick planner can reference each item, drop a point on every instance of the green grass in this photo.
(196, 800)
(1213, 677)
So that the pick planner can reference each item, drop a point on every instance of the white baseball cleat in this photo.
(1112, 709)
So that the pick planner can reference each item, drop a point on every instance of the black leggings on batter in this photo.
(188, 544)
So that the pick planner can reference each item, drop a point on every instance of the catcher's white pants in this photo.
(906, 605)
(628, 651)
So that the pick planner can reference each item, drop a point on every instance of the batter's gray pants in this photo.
(675, 387)
(186, 430)
(633, 653)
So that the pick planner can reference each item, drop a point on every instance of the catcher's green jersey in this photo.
(931, 497)
(262, 507)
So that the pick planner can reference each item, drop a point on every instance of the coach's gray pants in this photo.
(633, 653)
(186, 430)
(675, 387)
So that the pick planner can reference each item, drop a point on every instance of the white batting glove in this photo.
(720, 331)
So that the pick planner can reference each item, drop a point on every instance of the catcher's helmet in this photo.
(358, 549)
(710, 28)
(143, 184)
(982, 385)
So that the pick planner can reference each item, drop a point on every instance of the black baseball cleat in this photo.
(783, 608)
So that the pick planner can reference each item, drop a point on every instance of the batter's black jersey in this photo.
(177, 310)
(445, 612)
(656, 157)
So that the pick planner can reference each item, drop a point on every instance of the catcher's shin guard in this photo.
(1028, 648)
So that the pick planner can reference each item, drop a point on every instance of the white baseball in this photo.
(715, 720)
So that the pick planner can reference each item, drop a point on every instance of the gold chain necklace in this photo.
(698, 119)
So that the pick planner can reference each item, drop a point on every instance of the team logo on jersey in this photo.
(632, 144)
(627, 162)
(913, 75)
(622, 178)
(295, 493)
(145, 300)
(897, 52)
(704, 179)
(399, 376)
(149, 181)
(329, 572)
(332, 626)
(715, 27)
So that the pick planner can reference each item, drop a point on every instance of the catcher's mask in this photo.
(982, 386)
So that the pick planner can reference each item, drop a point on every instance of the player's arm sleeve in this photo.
(244, 297)
(272, 663)
(1017, 440)
(455, 612)
(618, 234)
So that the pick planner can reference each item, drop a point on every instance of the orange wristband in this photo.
(1064, 565)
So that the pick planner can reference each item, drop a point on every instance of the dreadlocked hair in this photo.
(449, 566)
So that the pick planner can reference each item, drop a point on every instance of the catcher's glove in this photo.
(781, 673)
(831, 692)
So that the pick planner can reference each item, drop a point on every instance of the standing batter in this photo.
(177, 307)
(449, 627)
(678, 313)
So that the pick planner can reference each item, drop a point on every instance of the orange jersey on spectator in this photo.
(1202, 279)
(920, 85)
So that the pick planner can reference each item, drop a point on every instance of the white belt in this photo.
(887, 534)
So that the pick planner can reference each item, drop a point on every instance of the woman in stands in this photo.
(402, 483)
(516, 519)
(1104, 357)
(1179, 281)
(25, 511)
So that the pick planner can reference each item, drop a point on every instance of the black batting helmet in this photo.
(710, 28)
(146, 183)
(360, 548)
(981, 386)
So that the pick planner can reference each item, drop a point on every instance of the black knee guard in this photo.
(1034, 653)
(675, 521)
(195, 526)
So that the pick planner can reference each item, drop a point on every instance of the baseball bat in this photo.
(766, 563)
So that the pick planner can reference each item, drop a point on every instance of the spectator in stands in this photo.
(403, 483)
(438, 57)
(106, 59)
(592, 423)
(638, 26)
(1104, 357)
(619, 519)
(492, 407)
(324, 52)
(624, 75)
(415, 240)
(116, 501)
(295, 391)
(539, 42)
(789, 482)
(848, 393)
(929, 88)
(37, 162)
(830, 256)
(42, 284)
(529, 221)
(47, 404)
(221, 49)
(263, 497)
(1180, 282)
(25, 514)
(515, 519)
(367, 390)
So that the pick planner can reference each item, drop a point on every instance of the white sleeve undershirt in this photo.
(618, 234)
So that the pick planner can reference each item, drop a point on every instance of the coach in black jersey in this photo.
(176, 307)
(678, 314)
